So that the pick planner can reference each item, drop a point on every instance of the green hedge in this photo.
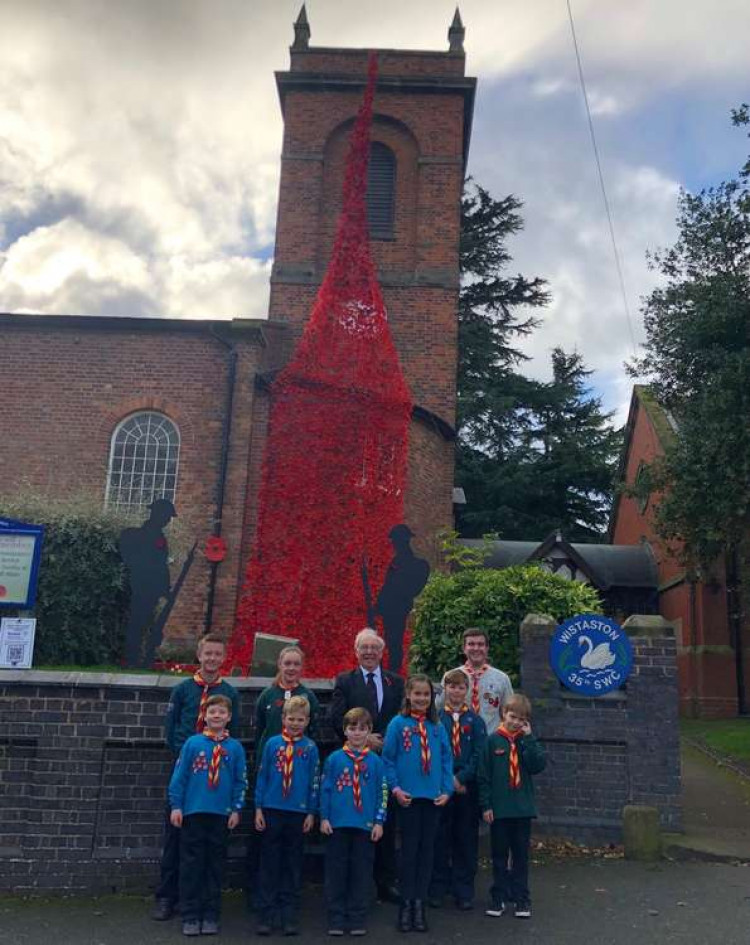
(495, 600)
(83, 594)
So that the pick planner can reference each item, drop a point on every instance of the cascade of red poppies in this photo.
(335, 462)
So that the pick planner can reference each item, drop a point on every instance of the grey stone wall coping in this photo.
(76, 678)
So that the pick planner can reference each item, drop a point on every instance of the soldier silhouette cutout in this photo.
(406, 576)
(146, 553)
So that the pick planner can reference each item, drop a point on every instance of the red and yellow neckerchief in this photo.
(287, 766)
(356, 782)
(424, 744)
(456, 729)
(214, 767)
(514, 765)
(475, 675)
(200, 722)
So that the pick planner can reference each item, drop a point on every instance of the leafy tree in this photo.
(697, 362)
(531, 456)
(572, 472)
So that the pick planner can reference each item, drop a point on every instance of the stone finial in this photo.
(301, 30)
(456, 34)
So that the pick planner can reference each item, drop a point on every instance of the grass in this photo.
(726, 736)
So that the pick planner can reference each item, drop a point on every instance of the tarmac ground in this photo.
(597, 901)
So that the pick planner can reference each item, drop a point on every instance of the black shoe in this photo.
(263, 928)
(191, 927)
(523, 910)
(163, 910)
(419, 922)
(404, 917)
(291, 928)
(464, 905)
(389, 894)
(435, 902)
(495, 908)
(209, 927)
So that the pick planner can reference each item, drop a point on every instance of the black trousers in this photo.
(418, 824)
(203, 852)
(169, 871)
(510, 835)
(385, 850)
(349, 856)
(457, 847)
(280, 869)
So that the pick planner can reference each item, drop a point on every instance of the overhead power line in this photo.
(605, 198)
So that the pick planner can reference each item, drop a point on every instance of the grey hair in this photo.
(366, 634)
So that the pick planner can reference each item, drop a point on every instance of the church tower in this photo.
(421, 129)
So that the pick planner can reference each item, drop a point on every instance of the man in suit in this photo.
(381, 692)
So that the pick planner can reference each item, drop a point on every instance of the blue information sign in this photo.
(591, 654)
(20, 551)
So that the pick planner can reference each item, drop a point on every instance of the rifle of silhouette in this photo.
(369, 608)
(166, 610)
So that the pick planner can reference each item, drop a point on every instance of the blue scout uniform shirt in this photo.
(472, 739)
(183, 708)
(303, 796)
(337, 791)
(189, 790)
(403, 759)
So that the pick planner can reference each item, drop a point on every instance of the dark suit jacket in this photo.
(351, 692)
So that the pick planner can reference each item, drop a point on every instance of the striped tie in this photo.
(214, 767)
(200, 722)
(514, 766)
(424, 744)
(287, 767)
(456, 730)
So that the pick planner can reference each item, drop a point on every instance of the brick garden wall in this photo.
(609, 751)
(83, 769)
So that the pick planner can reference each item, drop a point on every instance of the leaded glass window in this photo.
(143, 462)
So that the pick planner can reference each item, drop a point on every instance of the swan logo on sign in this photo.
(590, 654)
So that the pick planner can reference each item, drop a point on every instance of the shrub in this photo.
(83, 595)
(495, 600)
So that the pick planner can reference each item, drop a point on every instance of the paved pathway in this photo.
(602, 902)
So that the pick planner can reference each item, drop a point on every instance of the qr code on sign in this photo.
(15, 652)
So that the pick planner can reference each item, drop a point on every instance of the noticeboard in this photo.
(20, 551)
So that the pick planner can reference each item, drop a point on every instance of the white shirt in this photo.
(378, 680)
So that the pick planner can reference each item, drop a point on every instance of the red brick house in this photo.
(132, 408)
(713, 641)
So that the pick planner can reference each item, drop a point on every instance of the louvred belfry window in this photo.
(334, 468)
(381, 192)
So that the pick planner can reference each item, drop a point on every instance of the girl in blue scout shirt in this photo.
(457, 843)
(353, 804)
(286, 801)
(419, 770)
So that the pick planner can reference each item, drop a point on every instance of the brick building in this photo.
(713, 641)
(85, 399)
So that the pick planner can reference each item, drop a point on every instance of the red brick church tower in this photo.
(421, 128)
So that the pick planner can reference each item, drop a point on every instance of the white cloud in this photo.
(139, 144)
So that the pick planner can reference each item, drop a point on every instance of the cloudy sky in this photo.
(140, 139)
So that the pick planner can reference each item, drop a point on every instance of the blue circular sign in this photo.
(591, 654)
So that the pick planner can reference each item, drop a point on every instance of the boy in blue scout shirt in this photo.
(353, 805)
(186, 716)
(206, 794)
(511, 758)
(286, 801)
(457, 843)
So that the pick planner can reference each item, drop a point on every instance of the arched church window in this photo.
(143, 461)
(381, 191)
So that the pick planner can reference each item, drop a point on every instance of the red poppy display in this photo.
(335, 462)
